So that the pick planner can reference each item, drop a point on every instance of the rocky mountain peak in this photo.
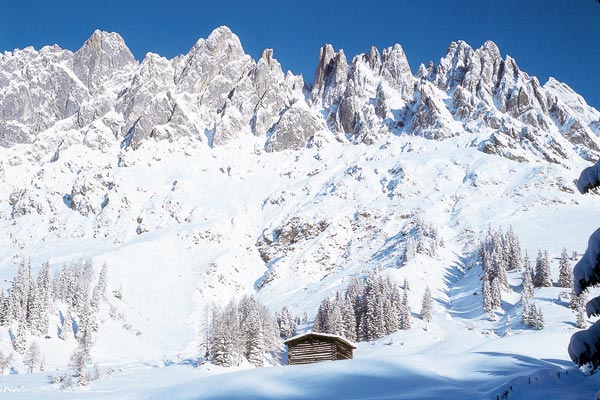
(102, 54)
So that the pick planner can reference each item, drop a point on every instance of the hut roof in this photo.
(319, 335)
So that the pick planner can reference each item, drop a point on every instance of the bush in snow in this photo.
(584, 347)
(5, 361)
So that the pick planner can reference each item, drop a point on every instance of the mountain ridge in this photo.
(216, 92)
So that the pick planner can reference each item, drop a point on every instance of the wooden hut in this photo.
(314, 347)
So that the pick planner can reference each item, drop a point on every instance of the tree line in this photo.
(27, 305)
(369, 309)
(500, 252)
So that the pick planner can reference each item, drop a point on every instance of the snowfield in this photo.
(203, 207)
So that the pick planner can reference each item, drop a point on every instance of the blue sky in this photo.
(559, 38)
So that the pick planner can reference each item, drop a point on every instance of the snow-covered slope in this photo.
(212, 175)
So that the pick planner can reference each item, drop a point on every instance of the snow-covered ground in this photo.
(170, 274)
(191, 208)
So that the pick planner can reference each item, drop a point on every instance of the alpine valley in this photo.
(201, 179)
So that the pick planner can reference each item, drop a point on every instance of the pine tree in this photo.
(427, 306)
(542, 270)
(19, 340)
(349, 318)
(537, 277)
(226, 339)
(253, 334)
(373, 325)
(526, 316)
(527, 290)
(500, 271)
(66, 328)
(405, 312)
(335, 323)
(527, 264)
(80, 359)
(321, 321)
(391, 306)
(580, 321)
(539, 319)
(32, 356)
(496, 294)
(514, 250)
(44, 298)
(19, 292)
(486, 294)
(406, 286)
(565, 276)
(286, 323)
(4, 310)
(99, 292)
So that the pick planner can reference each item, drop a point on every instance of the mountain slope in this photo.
(212, 175)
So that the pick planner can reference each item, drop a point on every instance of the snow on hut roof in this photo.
(324, 335)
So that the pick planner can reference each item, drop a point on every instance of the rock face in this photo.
(216, 94)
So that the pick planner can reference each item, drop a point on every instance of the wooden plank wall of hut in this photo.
(343, 352)
(311, 351)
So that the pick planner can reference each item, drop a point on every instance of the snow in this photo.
(329, 335)
(181, 229)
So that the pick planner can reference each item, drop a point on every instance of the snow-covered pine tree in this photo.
(4, 310)
(45, 298)
(321, 319)
(486, 295)
(539, 318)
(427, 306)
(373, 324)
(286, 323)
(580, 320)
(527, 291)
(348, 317)
(34, 310)
(405, 312)
(527, 264)
(537, 274)
(391, 300)
(66, 327)
(405, 285)
(543, 277)
(526, 315)
(217, 349)
(499, 271)
(514, 250)
(253, 334)
(565, 276)
(32, 356)
(19, 341)
(228, 339)
(81, 358)
(99, 292)
(19, 292)
(336, 322)
(496, 294)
